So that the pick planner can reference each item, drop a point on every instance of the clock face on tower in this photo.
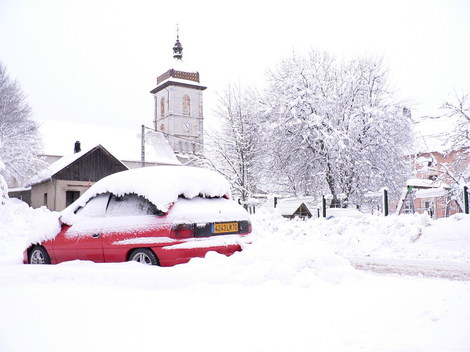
(186, 126)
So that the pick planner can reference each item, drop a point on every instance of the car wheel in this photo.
(144, 255)
(39, 255)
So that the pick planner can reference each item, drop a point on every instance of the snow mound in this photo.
(161, 185)
(287, 252)
(21, 226)
(395, 237)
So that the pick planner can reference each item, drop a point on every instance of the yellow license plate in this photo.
(226, 227)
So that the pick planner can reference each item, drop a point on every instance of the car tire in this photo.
(144, 256)
(39, 255)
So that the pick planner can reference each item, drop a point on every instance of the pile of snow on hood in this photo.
(161, 185)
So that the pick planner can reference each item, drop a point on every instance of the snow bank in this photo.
(396, 237)
(299, 245)
(21, 226)
(161, 185)
(291, 251)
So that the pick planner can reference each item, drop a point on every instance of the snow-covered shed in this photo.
(62, 182)
(292, 208)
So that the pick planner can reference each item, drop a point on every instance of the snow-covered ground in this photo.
(292, 289)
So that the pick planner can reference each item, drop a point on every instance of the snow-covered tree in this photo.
(19, 140)
(458, 109)
(233, 149)
(334, 127)
(458, 172)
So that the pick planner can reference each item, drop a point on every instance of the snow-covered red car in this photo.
(162, 215)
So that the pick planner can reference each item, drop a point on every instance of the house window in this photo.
(186, 105)
(71, 196)
(45, 199)
(162, 106)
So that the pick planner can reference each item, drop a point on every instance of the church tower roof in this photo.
(178, 48)
(178, 75)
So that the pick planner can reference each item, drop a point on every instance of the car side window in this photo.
(95, 207)
(131, 204)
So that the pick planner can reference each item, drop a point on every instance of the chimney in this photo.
(77, 148)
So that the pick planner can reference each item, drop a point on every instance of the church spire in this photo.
(178, 48)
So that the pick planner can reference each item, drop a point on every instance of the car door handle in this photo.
(96, 235)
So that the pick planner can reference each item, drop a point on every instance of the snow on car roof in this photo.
(161, 185)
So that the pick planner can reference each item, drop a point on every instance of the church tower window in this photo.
(162, 106)
(186, 105)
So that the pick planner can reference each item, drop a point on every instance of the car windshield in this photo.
(131, 204)
(95, 208)
(110, 205)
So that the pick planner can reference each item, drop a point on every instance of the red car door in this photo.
(81, 241)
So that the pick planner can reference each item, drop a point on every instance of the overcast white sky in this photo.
(96, 61)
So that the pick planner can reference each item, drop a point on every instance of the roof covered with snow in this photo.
(61, 164)
(431, 135)
(161, 185)
(59, 138)
(423, 183)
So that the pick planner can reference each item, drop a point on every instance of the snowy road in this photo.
(291, 288)
(451, 271)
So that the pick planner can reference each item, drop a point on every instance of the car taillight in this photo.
(182, 231)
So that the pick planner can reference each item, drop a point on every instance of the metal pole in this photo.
(385, 202)
(142, 155)
(324, 206)
(465, 199)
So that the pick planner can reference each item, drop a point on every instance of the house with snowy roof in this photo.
(63, 181)
(437, 169)
(429, 191)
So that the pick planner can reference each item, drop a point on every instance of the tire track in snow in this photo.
(442, 270)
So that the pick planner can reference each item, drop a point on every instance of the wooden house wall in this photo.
(91, 167)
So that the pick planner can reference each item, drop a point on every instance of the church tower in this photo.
(178, 107)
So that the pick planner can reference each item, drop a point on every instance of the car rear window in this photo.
(203, 209)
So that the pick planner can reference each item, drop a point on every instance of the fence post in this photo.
(142, 146)
(465, 199)
(324, 206)
(385, 200)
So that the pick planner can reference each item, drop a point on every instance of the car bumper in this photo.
(25, 257)
(198, 248)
